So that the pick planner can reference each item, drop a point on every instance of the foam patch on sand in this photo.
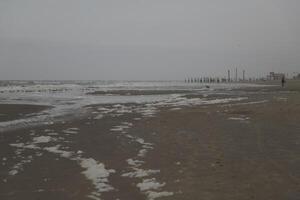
(140, 173)
(94, 171)
(178, 101)
(122, 128)
(151, 195)
(98, 174)
(127, 124)
(142, 152)
(149, 111)
(100, 116)
(24, 146)
(116, 110)
(103, 109)
(246, 103)
(134, 163)
(56, 150)
(20, 166)
(241, 118)
(281, 99)
(175, 109)
(124, 109)
(33, 145)
(152, 189)
(145, 147)
(198, 101)
(145, 144)
(71, 131)
(150, 184)
(42, 139)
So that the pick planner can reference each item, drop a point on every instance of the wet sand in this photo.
(10, 112)
(231, 152)
(238, 150)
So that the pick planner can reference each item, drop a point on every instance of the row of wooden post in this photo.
(218, 80)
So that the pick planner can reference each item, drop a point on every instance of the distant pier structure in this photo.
(206, 79)
(231, 76)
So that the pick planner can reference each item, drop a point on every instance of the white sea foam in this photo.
(154, 195)
(42, 139)
(142, 141)
(98, 174)
(71, 131)
(93, 170)
(246, 103)
(121, 109)
(120, 128)
(150, 184)
(117, 128)
(281, 98)
(102, 109)
(56, 150)
(24, 146)
(199, 101)
(175, 109)
(151, 187)
(128, 136)
(108, 111)
(140, 173)
(241, 118)
(134, 163)
(100, 116)
(127, 124)
(70, 98)
(19, 166)
(142, 152)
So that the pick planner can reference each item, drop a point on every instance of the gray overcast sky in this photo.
(147, 39)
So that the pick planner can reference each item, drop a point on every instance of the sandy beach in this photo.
(149, 100)
(238, 144)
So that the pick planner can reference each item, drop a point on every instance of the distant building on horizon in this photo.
(296, 76)
(275, 76)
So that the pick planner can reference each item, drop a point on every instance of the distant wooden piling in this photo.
(228, 76)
